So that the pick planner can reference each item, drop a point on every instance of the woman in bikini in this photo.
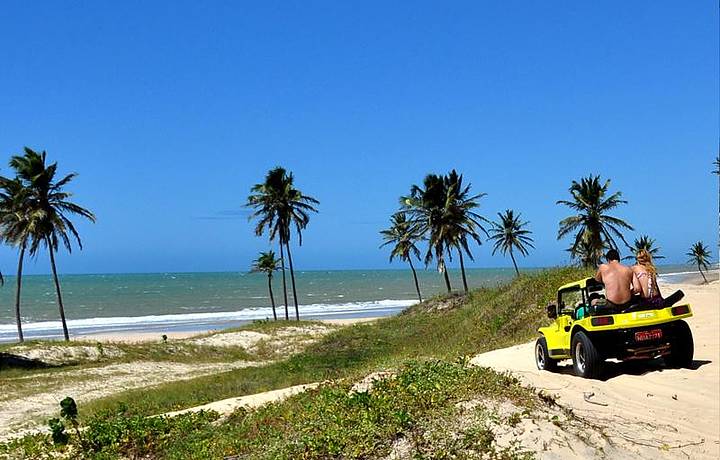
(646, 275)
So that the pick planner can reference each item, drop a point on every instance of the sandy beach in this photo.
(143, 337)
(648, 410)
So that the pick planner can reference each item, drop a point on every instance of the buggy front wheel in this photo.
(543, 361)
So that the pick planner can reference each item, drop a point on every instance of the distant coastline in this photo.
(198, 322)
(204, 301)
(689, 277)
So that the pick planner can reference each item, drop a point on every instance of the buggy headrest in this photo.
(673, 298)
(594, 285)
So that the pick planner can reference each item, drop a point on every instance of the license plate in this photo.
(648, 335)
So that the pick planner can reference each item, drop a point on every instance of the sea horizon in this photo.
(660, 267)
(198, 301)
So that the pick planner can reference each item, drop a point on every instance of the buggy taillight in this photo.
(602, 321)
(680, 310)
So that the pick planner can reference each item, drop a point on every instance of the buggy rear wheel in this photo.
(586, 359)
(543, 361)
(682, 347)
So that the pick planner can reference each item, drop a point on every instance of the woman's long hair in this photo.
(644, 258)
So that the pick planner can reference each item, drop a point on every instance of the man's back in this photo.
(618, 280)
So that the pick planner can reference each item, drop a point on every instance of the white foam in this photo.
(664, 276)
(8, 331)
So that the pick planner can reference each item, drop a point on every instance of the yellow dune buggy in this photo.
(589, 331)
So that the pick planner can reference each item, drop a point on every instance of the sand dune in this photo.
(28, 413)
(23, 411)
(645, 409)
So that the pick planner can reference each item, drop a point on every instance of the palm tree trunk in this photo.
(417, 286)
(703, 274)
(57, 291)
(445, 274)
(18, 284)
(272, 299)
(462, 270)
(282, 264)
(517, 272)
(292, 280)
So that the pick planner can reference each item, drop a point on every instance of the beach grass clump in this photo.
(419, 408)
(334, 421)
(183, 352)
(110, 435)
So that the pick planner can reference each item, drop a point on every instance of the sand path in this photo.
(645, 409)
(228, 406)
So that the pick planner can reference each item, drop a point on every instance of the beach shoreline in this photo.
(145, 336)
(184, 321)
(185, 326)
(182, 324)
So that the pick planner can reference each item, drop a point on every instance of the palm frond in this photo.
(699, 254)
(592, 227)
(35, 209)
(279, 206)
(266, 263)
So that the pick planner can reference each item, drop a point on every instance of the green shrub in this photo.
(420, 402)
(335, 422)
(57, 430)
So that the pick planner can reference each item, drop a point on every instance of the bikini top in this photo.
(651, 282)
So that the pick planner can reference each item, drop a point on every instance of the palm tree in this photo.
(403, 235)
(426, 206)
(50, 204)
(464, 222)
(699, 255)
(594, 228)
(443, 209)
(17, 224)
(510, 233)
(267, 263)
(646, 243)
(279, 206)
(584, 255)
(266, 200)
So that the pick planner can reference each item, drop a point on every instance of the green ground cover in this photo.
(428, 343)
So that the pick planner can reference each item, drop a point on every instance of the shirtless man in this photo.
(618, 280)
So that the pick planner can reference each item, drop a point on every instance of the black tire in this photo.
(543, 361)
(586, 359)
(682, 347)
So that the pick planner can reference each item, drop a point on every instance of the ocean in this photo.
(201, 301)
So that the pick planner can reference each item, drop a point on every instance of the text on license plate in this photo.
(648, 335)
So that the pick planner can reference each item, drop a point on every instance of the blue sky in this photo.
(171, 111)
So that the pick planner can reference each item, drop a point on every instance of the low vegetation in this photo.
(20, 359)
(425, 348)
(35, 375)
(418, 407)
